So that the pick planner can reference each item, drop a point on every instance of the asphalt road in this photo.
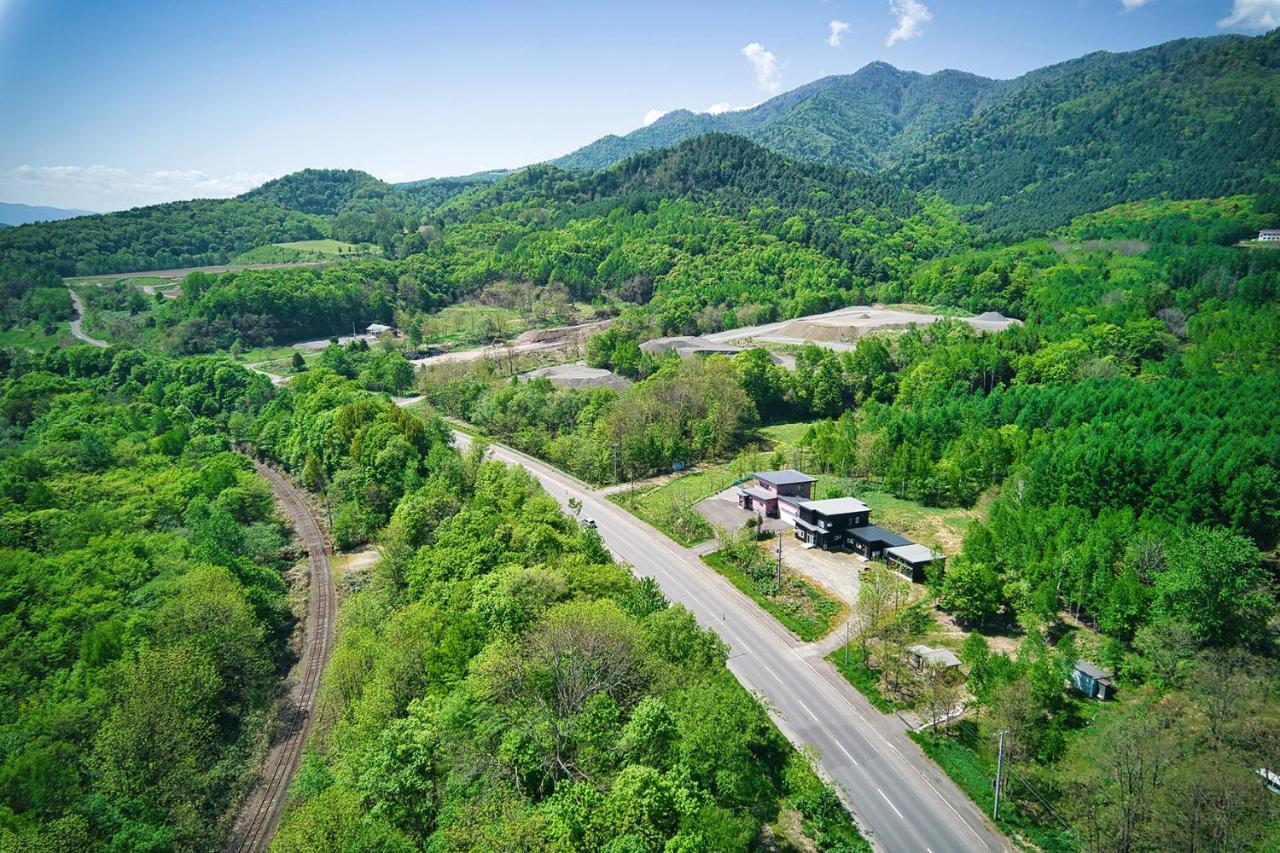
(902, 801)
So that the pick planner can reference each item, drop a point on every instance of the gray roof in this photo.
(941, 657)
(1092, 670)
(785, 477)
(836, 506)
(875, 533)
(914, 553)
(759, 493)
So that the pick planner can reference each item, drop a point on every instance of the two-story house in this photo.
(827, 523)
(777, 494)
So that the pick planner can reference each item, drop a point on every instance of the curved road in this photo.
(902, 800)
(75, 324)
(259, 815)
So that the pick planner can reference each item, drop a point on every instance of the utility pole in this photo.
(617, 462)
(846, 641)
(779, 562)
(995, 810)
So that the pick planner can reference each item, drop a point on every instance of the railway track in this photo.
(259, 815)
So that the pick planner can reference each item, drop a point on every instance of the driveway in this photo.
(722, 510)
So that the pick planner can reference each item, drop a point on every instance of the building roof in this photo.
(941, 657)
(914, 553)
(785, 477)
(759, 494)
(836, 506)
(1270, 231)
(377, 327)
(1092, 670)
(875, 533)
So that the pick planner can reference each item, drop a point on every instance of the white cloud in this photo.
(1253, 15)
(100, 187)
(911, 15)
(726, 107)
(1130, 5)
(838, 29)
(653, 115)
(765, 66)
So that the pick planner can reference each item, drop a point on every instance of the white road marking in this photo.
(806, 709)
(840, 747)
(891, 805)
(774, 674)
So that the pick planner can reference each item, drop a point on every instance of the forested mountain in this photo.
(1190, 118)
(862, 120)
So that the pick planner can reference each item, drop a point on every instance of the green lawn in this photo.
(804, 609)
(330, 247)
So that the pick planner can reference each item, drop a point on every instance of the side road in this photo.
(259, 815)
(902, 801)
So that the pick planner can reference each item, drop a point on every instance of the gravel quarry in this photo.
(840, 329)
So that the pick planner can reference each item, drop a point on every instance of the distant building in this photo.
(1268, 235)
(377, 328)
(911, 560)
(827, 523)
(1272, 780)
(1093, 681)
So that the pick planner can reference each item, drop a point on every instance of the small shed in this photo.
(911, 560)
(377, 328)
(920, 656)
(1092, 680)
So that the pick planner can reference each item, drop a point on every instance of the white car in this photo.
(589, 522)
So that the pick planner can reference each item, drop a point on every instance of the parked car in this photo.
(589, 522)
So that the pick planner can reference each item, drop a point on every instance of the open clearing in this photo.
(840, 329)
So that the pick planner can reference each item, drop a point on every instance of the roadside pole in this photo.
(995, 810)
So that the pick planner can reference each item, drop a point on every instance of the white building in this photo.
(1269, 235)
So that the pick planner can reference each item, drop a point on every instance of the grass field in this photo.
(803, 609)
(943, 528)
(330, 247)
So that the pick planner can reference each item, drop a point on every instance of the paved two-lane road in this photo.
(902, 800)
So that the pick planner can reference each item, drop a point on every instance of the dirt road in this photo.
(75, 324)
(259, 815)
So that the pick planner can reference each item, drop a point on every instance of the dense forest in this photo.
(142, 616)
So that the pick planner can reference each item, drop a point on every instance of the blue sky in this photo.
(113, 104)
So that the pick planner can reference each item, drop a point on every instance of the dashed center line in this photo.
(806, 709)
(891, 805)
(840, 747)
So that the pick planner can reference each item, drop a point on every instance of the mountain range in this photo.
(23, 214)
(1192, 117)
